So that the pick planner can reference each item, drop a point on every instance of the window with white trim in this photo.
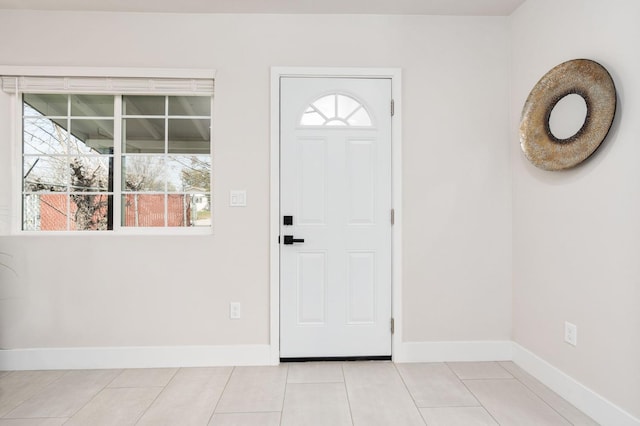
(103, 159)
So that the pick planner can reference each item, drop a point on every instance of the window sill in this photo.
(180, 232)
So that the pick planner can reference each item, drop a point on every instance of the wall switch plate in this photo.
(570, 333)
(234, 310)
(237, 198)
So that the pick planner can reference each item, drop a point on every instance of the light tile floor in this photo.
(297, 394)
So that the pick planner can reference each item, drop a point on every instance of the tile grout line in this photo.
(116, 376)
(35, 394)
(473, 394)
(19, 419)
(157, 396)
(480, 402)
(315, 383)
(93, 397)
(284, 396)
(136, 387)
(544, 400)
(233, 369)
(415, 404)
(248, 412)
(34, 418)
(447, 363)
(454, 406)
(90, 399)
(346, 390)
(539, 396)
(466, 387)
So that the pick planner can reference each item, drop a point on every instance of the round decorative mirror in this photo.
(567, 114)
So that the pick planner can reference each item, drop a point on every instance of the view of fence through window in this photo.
(92, 161)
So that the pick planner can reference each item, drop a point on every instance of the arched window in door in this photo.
(336, 110)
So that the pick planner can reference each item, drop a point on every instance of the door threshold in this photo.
(338, 358)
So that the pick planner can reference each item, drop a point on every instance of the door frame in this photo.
(395, 74)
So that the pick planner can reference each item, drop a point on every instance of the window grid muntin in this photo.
(334, 114)
(167, 157)
(117, 155)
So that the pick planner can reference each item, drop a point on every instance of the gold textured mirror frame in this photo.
(583, 77)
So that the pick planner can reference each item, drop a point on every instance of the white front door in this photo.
(335, 194)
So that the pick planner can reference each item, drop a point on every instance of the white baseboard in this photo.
(201, 356)
(134, 357)
(583, 398)
(499, 350)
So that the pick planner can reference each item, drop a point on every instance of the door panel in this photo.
(361, 183)
(335, 165)
(312, 180)
(361, 283)
(311, 288)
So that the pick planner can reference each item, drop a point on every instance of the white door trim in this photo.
(395, 75)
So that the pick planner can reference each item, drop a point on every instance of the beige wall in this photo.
(577, 233)
(136, 291)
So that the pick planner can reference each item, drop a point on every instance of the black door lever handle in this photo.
(288, 239)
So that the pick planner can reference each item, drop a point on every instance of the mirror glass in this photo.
(568, 116)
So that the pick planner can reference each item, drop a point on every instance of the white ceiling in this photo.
(394, 7)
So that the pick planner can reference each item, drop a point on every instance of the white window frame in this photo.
(109, 81)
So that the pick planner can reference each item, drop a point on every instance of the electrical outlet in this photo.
(234, 310)
(570, 333)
